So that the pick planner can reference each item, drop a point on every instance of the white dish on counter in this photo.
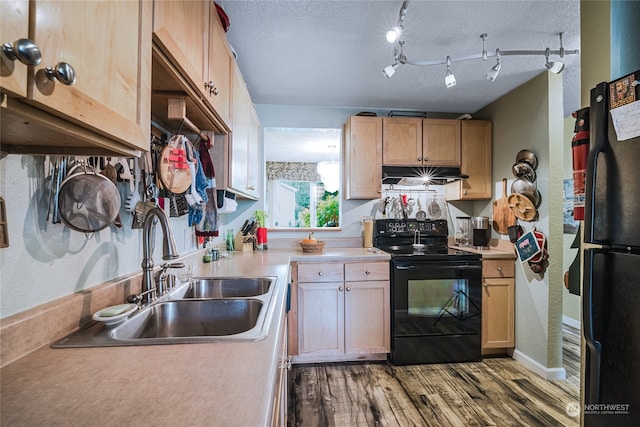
(114, 314)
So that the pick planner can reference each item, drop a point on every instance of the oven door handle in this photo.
(438, 267)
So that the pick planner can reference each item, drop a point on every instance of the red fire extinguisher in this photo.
(580, 151)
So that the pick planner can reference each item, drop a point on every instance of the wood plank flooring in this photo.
(494, 392)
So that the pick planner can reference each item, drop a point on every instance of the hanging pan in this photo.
(88, 201)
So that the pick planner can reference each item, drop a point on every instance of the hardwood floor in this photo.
(494, 392)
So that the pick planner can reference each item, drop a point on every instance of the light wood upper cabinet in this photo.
(476, 163)
(402, 144)
(441, 142)
(15, 25)
(190, 34)
(108, 107)
(421, 142)
(244, 143)
(362, 158)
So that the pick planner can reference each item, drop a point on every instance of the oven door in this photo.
(436, 311)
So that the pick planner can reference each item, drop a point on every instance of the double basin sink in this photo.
(204, 310)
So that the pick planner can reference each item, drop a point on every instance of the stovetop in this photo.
(399, 238)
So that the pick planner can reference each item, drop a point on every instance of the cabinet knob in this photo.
(464, 192)
(419, 159)
(426, 159)
(485, 285)
(500, 269)
(213, 90)
(63, 72)
(340, 289)
(24, 50)
(367, 272)
(320, 273)
(348, 289)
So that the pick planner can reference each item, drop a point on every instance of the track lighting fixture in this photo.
(390, 70)
(554, 67)
(492, 74)
(394, 36)
(449, 78)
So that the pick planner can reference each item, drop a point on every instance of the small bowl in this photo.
(313, 248)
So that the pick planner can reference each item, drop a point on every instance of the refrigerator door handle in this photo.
(595, 347)
(598, 122)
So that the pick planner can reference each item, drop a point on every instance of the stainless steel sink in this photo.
(191, 318)
(207, 310)
(234, 287)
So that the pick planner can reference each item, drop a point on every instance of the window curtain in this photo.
(293, 171)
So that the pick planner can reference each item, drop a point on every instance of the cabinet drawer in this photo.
(498, 268)
(366, 271)
(320, 272)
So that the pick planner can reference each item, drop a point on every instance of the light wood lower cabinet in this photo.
(498, 306)
(339, 311)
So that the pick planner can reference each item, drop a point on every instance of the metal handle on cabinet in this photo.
(287, 363)
(464, 192)
(213, 90)
(320, 273)
(367, 272)
(250, 187)
(24, 50)
(426, 159)
(63, 72)
(485, 285)
(500, 269)
(419, 159)
(340, 289)
(348, 289)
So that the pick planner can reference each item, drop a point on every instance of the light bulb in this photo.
(394, 34)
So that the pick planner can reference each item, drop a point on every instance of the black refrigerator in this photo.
(611, 279)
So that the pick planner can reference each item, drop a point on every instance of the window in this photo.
(303, 176)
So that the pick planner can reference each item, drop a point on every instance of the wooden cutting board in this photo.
(503, 216)
(173, 169)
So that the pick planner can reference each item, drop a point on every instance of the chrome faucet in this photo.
(168, 248)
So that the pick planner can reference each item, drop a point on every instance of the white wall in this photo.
(47, 261)
(531, 117)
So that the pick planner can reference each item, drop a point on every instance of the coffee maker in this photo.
(480, 231)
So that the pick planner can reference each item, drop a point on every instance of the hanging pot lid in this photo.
(528, 157)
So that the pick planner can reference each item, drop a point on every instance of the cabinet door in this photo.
(498, 321)
(14, 17)
(441, 142)
(362, 158)
(402, 142)
(112, 92)
(253, 154)
(321, 318)
(181, 29)
(476, 163)
(219, 70)
(239, 150)
(367, 317)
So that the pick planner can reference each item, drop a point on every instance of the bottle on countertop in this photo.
(230, 240)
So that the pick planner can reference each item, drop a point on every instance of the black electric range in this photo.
(436, 295)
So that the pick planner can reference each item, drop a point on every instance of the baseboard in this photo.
(575, 324)
(537, 368)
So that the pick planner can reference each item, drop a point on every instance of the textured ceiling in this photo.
(331, 53)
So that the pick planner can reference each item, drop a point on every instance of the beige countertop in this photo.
(497, 249)
(222, 383)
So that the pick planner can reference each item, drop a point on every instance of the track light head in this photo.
(449, 78)
(394, 34)
(390, 70)
(492, 74)
(554, 67)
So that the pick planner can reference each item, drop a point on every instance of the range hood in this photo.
(408, 175)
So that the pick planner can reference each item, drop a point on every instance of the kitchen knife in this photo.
(243, 229)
